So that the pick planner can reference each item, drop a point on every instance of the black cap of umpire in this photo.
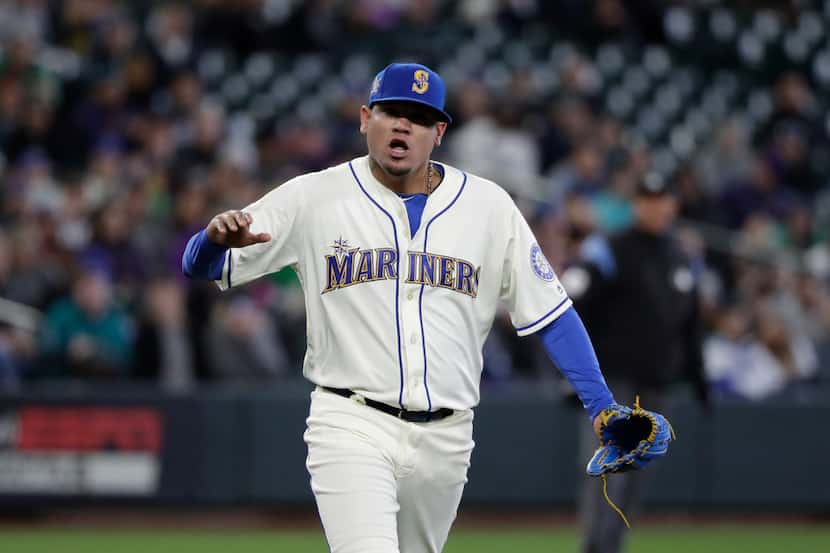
(654, 184)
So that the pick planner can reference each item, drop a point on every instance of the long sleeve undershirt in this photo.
(569, 347)
(202, 259)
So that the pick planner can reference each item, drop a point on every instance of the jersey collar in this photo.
(437, 201)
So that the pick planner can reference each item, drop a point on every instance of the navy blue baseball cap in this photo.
(410, 82)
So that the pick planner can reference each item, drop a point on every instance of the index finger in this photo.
(241, 220)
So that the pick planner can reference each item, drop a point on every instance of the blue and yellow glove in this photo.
(629, 439)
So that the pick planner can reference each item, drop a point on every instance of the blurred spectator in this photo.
(569, 123)
(726, 159)
(77, 20)
(581, 174)
(11, 102)
(796, 141)
(112, 250)
(611, 205)
(12, 359)
(18, 326)
(244, 342)
(164, 350)
(104, 179)
(34, 132)
(116, 37)
(199, 143)
(87, 335)
(169, 29)
(761, 193)
(27, 16)
(39, 192)
(27, 273)
(814, 303)
(793, 351)
(185, 101)
(694, 203)
(20, 63)
(737, 364)
(492, 143)
(140, 81)
(103, 113)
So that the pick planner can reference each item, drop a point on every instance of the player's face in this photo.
(401, 135)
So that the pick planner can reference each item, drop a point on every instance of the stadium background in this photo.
(134, 399)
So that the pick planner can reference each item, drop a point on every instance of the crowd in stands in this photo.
(125, 126)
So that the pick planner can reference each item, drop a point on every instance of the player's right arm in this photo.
(239, 246)
(232, 229)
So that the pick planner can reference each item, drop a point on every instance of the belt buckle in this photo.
(400, 413)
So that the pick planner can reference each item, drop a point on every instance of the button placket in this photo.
(410, 315)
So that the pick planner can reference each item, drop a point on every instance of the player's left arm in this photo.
(538, 303)
(567, 344)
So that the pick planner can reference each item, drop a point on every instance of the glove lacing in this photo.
(638, 411)
(608, 500)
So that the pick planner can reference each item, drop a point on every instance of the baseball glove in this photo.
(630, 439)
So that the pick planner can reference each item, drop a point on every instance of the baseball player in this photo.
(403, 262)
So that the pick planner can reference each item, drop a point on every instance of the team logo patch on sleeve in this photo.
(540, 264)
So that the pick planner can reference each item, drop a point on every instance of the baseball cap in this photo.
(410, 82)
(654, 184)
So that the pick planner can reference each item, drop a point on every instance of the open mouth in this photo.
(398, 147)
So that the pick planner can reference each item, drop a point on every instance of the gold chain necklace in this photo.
(429, 178)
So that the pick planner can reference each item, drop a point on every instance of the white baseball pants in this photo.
(384, 485)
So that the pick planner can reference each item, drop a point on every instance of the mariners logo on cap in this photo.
(540, 264)
(375, 86)
(421, 84)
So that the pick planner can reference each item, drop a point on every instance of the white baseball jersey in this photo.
(399, 318)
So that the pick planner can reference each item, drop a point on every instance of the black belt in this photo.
(403, 414)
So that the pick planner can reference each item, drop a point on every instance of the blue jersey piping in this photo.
(421, 294)
(397, 280)
(543, 317)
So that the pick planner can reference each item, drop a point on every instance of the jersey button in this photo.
(413, 339)
(411, 295)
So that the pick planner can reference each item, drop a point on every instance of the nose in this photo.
(402, 124)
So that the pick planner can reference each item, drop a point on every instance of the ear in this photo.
(365, 115)
(441, 127)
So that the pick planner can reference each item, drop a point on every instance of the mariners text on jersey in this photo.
(347, 267)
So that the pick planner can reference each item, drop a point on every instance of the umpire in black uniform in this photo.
(637, 293)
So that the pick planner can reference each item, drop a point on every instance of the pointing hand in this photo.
(232, 229)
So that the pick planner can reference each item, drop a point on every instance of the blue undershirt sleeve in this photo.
(569, 347)
(202, 259)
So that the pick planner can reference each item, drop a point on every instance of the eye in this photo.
(422, 119)
(391, 111)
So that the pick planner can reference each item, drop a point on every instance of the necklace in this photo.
(429, 178)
